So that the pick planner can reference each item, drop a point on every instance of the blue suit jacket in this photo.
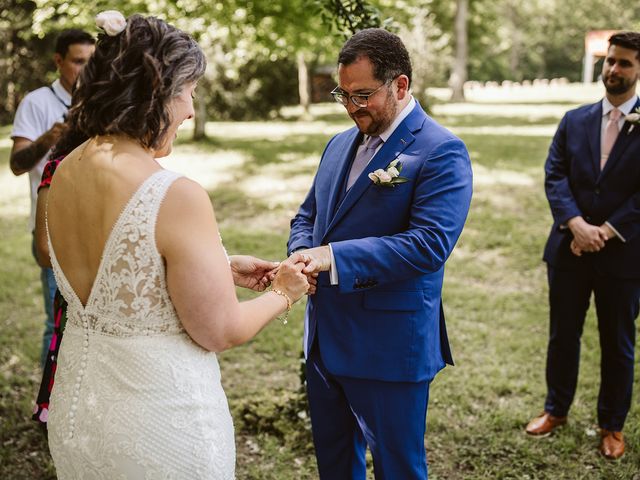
(384, 320)
(575, 186)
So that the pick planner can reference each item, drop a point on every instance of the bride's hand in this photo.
(290, 278)
(251, 272)
(312, 276)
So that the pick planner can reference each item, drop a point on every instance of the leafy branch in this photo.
(346, 17)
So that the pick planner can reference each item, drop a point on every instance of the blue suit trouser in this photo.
(617, 307)
(349, 414)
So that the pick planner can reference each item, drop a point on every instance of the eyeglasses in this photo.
(360, 100)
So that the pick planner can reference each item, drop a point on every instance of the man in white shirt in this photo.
(37, 126)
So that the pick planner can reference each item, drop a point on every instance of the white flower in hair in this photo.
(111, 21)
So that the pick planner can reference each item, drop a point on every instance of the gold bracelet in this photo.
(286, 297)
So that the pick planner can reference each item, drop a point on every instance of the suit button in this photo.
(597, 190)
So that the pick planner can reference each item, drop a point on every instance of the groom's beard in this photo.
(379, 120)
(619, 86)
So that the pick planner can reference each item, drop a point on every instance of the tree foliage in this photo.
(255, 47)
(346, 17)
(25, 59)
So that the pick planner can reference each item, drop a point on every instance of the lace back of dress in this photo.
(129, 296)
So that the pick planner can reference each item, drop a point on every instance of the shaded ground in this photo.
(495, 300)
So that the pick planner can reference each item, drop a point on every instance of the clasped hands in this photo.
(587, 237)
(257, 274)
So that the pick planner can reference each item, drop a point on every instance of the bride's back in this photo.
(89, 191)
(129, 375)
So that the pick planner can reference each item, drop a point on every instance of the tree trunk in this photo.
(200, 120)
(303, 85)
(515, 53)
(459, 73)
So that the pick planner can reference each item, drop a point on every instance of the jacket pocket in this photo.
(403, 301)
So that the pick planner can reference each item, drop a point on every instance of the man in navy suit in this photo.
(385, 210)
(593, 187)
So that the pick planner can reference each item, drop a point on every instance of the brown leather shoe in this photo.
(611, 444)
(544, 424)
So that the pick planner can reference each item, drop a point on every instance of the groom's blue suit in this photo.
(379, 335)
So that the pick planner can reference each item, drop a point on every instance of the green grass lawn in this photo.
(495, 302)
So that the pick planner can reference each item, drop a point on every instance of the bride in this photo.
(137, 255)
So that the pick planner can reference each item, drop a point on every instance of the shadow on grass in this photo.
(23, 447)
(263, 152)
(495, 302)
(231, 202)
(515, 153)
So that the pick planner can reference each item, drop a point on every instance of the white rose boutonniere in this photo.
(633, 118)
(111, 21)
(389, 177)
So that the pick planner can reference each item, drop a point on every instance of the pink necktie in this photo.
(362, 159)
(610, 134)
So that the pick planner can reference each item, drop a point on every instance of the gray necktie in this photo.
(362, 159)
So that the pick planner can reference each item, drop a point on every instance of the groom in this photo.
(375, 334)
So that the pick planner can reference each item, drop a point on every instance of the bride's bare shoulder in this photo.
(185, 201)
(186, 208)
(185, 193)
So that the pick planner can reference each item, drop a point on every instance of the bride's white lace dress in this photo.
(134, 396)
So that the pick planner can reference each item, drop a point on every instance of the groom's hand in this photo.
(318, 259)
(251, 272)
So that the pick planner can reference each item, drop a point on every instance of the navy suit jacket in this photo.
(385, 320)
(575, 186)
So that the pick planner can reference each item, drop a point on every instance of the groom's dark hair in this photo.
(384, 50)
(630, 40)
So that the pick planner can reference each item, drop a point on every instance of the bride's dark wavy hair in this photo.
(126, 86)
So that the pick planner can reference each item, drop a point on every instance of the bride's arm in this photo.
(42, 245)
(199, 278)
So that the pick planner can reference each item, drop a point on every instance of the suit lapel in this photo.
(593, 125)
(399, 140)
(622, 142)
(342, 168)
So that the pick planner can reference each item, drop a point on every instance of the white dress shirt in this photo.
(36, 114)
